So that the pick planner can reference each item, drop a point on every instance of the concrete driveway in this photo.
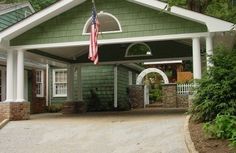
(140, 131)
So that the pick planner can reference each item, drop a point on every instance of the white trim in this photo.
(113, 41)
(130, 77)
(42, 83)
(26, 93)
(47, 85)
(115, 86)
(53, 83)
(163, 62)
(213, 24)
(133, 44)
(150, 70)
(86, 26)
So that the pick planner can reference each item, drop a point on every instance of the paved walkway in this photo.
(125, 132)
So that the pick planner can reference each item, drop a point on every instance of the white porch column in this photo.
(80, 84)
(10, 77)
(20, 76)
(209, 50)
(115, 86)
(197, 71)
(70, 82)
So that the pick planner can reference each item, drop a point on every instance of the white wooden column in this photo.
(80, 83)
(70, 82)
(197, 70)
(115, 86)
(10, 77)
(209, 50)
(20, 76)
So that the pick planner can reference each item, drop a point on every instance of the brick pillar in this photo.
(15, 110)
(169, 95)
(136, 96)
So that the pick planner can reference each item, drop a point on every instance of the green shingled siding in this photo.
(10, 18)
(100, 78)
(123, 83)
(135, 20)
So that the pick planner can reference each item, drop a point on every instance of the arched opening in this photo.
(108, 24)
(141, 76)
(138, 49)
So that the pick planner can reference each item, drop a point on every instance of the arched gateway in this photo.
(151, 70)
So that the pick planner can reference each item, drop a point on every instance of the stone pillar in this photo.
(169, 95)
(136, 96)
(209, 50)
(197, 71)
(15, 107)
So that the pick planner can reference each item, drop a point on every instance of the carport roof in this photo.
(213, 24)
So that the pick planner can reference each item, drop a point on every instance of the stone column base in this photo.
(15, 110)
(72, 107)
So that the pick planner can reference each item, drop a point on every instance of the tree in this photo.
(223, 9)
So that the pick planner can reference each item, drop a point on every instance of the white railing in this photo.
(185, 89)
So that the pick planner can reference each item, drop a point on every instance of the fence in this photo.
(184, 89)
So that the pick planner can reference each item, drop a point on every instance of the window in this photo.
(108, 24)
(59, 83)
(39, 83)
(138, 49)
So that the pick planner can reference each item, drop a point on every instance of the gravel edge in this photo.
(188, 141)
(3, 123)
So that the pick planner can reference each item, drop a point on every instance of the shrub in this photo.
(224, 127)
(54, 108)
(216, 92)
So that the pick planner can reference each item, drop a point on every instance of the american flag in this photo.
(93, 47)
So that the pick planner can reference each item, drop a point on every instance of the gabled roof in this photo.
(4, 8)
(213, 24)
(12, 13)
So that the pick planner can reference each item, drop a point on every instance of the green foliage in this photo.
(224, 127)
(216, 92)
(222, 9)
(155, 94)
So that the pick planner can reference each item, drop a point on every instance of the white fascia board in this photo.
(164, 62)
(134, 66)
(113, 41)
(213, 24)
(38, 18)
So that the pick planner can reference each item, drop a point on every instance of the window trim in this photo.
(54, 82)
(42, 82)
(86, 26)
(133, 44)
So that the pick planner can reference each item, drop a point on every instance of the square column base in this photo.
(73, 107)
(15, 110)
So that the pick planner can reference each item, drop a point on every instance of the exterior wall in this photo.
(101, 80)
(38, 104)
(135, 20)
(122, 87)
(182, 101)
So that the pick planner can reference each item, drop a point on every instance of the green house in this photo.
(131, 31)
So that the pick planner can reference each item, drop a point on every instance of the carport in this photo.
(61, 33)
